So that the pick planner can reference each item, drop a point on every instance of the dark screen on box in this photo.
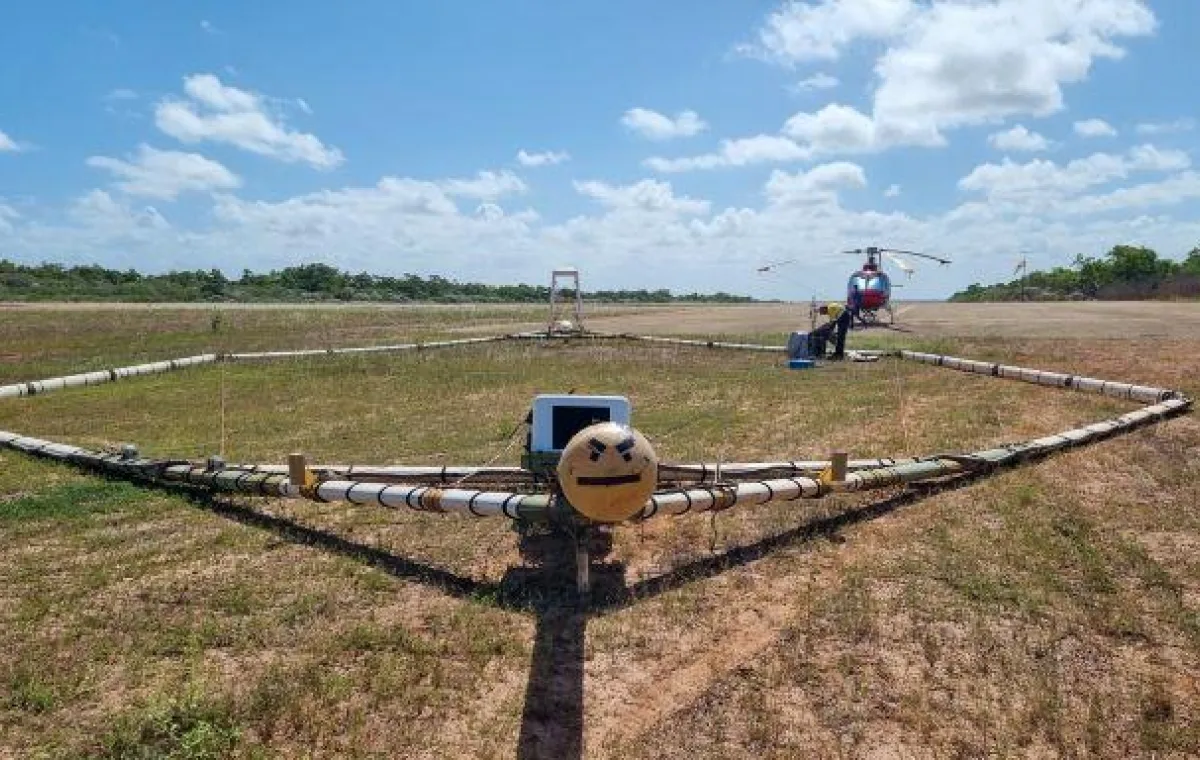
(569, 420)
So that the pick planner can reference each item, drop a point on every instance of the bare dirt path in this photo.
(1080, 319)
(1090, 319)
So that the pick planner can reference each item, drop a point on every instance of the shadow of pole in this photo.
(553, 711)
(552, 719)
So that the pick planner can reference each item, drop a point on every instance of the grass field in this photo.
(1049, 611)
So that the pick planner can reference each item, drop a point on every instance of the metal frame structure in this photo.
(571, 274)
(529, 496)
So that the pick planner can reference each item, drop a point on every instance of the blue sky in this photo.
(673, 144)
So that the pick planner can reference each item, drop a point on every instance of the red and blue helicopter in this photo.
(869, 290)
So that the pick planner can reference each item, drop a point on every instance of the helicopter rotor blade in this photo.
(772, 265)
(938, 259)
(904, 265)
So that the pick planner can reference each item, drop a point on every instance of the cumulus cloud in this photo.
(947, 65)
(744, 151)
(801, 31)
(8, 215)
(112, 220)
(818, 81)
(219, 113)
(1166, 127)
(1094, 128)
(1173, 190)
(486, 185)
(842, 129)
(656, 126)
(9, 145)
(1018, 139)
(646, 234)
(647, 195)
(1042, 182)
(165, 174)
(938, 65)
(546, 158)
(818, 185)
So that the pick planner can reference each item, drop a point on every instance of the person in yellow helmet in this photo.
(839, 320)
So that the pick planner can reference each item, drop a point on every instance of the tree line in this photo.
(1125, 273)
(304, 283)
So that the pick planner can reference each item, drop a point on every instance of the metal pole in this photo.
(583, 580)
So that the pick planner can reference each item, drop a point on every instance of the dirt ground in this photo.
(1073, 319)
(1114, 319)
(1050, 611)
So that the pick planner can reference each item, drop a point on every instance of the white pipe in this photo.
(426, 499)
(17, 390)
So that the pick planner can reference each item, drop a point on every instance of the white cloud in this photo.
(841, 129)
(121, 93)
(644, 234)
(1041, 182)
(803, 31)
(9, 145)
(546, 158)
(485, 185)
(111, 220)
(1170, 191)
(165, 174)
(209, 27)
(741, 152)
(962, 64)
(303, 105)
(8, 215)
(331, 210)
(207, 89)
(656, 126)
(949, 64)
(818, 81)
(647, 195)
(397, 211)
(1018, 139)
(219, 113)
(816, 186)
(938, 65)
(1094, 128)
(1166, 127)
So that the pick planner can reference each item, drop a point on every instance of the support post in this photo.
(298, 470)
(838, 465)
(583, 560)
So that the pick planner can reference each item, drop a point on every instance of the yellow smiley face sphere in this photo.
(608, 471)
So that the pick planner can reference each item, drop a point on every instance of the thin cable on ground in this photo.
(513, 437)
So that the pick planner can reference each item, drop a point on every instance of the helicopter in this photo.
(869, 290)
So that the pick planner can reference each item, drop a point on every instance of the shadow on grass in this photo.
(826, 527)
(305, 535)
(552, 715)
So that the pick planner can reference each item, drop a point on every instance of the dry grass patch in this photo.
(1049, 611)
